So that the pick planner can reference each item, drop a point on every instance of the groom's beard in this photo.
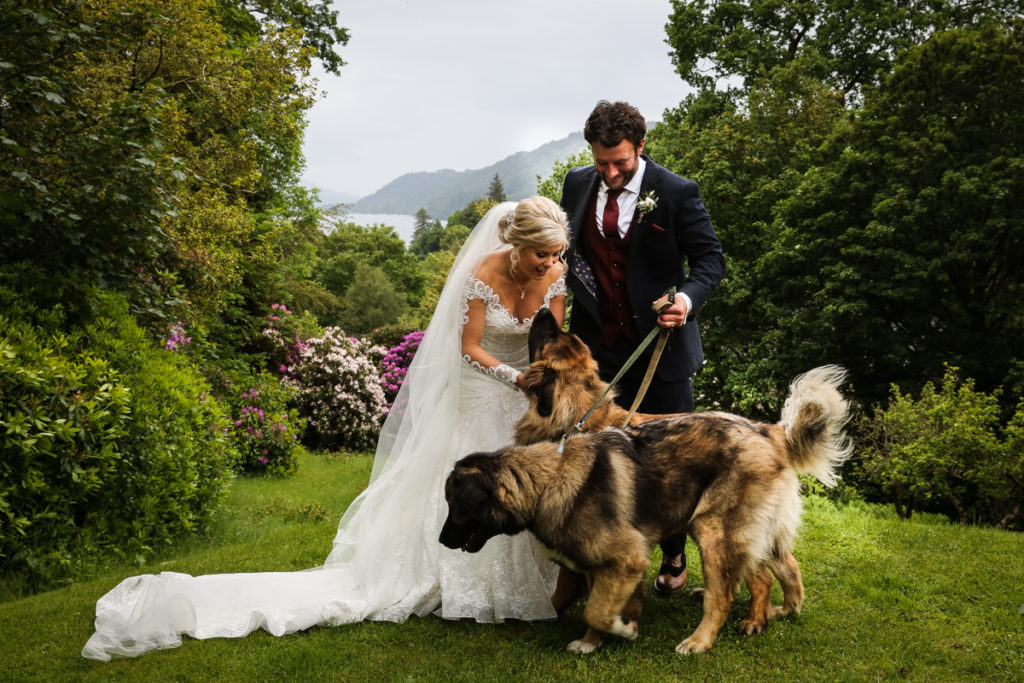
(623, 178)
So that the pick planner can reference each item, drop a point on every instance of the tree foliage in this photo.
(471, 214)
(906, 244)
(436, 265)
(152, 150)
(348, 247)
(746, 160)
(372, 301)
(878, 232)
(843, 43)
(421, 222)
(317, 22)
(496, 190)
(85, 181)
(142, 135)
(551, 187)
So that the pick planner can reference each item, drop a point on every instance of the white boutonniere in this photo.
(647, 203)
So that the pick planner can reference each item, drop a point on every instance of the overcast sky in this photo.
(462, 84)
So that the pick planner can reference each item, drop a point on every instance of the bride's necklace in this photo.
(522, 291)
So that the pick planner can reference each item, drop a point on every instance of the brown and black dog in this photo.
(562, 384)
(602, 503)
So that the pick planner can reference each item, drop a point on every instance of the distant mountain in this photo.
(443, 192)
(333, 197)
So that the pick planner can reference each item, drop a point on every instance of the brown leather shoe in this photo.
(670, 579)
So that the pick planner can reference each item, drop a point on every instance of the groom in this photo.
(637, 229)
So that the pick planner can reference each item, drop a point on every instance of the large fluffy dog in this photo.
(603, 502)
(562, 384)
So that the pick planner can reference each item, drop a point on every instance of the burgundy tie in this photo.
(610, 217)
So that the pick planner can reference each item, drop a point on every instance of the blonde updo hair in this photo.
(535, 222)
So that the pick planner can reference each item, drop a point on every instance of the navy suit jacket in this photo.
(675, 244)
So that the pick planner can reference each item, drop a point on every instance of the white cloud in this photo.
(464, 83)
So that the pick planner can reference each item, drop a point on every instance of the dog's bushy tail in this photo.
(814, 416)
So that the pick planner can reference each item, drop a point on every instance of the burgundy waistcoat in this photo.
(608, 258)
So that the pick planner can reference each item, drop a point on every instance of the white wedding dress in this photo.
(386, 563)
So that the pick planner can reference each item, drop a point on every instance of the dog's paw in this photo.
(692, 646)
(581, 647)
(749, 627)
(625, 629)
(785, 610)
(697, 594)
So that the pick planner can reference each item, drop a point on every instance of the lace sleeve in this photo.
(503, 373)
(475, 288)
(556, 289)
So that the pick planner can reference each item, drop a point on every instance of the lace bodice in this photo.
(498, 316)
(505, 336)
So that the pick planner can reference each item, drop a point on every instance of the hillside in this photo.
(333, 198)
(442, 192)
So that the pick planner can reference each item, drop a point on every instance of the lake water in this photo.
(402, 224)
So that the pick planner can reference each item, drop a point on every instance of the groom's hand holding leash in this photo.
(672, 314)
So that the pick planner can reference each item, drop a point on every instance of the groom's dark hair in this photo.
(611, 123)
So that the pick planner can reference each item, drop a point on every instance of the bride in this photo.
(459, 396)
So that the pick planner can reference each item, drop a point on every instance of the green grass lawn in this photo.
(885, 600)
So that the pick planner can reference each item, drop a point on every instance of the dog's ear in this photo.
(540, 382)
(544, 330)
(468, 490)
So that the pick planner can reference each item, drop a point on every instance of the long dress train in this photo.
(386, 563)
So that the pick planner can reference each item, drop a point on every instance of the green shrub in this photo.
(110, 445)
(946, 451)
(63, 422)
(179, 457)
(265, 430)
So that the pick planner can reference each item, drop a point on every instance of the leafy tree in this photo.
(450, 236)
(143, 137)
(318, 23)
(437, 265)
(496, 191)
(746, 160)
(902, 251)
(472, 213)
(349, 245)
(85, 182)
(841, 240)
(153, 149)
(439, 238)
(372, 301)
(453, 238)
(551, 187)
(427, 241)
(845, 44)
(421, 223)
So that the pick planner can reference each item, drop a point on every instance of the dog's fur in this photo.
(562, 384)
(603, 503)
